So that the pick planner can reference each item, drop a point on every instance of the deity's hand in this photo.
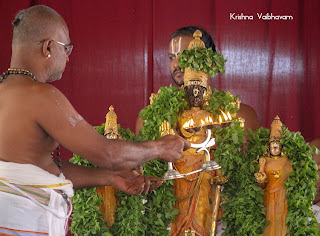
(133, 183)
(170, 147)
(262, 163)
(165, 128)
(220, 179)
(261, 177)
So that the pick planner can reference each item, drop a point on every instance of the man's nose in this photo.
(67, 58)
(176, 63)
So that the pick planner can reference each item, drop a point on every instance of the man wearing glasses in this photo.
(35, 117)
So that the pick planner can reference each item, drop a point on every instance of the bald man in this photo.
(36, 117)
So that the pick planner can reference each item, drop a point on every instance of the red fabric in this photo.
(120, 54)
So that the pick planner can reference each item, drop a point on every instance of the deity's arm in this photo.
(139, 125)
(139, 121)
(261, 176)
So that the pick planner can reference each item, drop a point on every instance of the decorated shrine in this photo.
(228, 182)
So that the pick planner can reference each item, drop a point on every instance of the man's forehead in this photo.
(178, 44)
(62, 32)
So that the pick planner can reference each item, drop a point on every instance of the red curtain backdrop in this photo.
(120, 54)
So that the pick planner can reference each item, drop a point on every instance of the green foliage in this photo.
(202, 59)
(86, 218)
(129, 216)
(135, 215)
(223, 100)
(242, 198)
(300, 186)
(166, 106)
(159, 208)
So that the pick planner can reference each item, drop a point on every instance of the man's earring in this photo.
(48, 56)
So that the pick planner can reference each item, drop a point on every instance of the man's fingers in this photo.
(155, 185)
(146, 185)
(131, 174)
(139, 169)
(158, 181)
(153, 179)
(187, 144)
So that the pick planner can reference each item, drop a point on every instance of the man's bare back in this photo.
(22, 139)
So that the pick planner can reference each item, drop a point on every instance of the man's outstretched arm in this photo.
(129, 181)
(58, 119)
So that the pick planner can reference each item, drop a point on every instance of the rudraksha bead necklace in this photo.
(14, 71)
(58, 158)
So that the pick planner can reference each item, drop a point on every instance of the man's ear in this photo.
(46, 48)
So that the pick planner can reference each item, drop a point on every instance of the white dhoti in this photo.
(33, 201)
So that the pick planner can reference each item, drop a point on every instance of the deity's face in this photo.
(275, 148)
(195, 95)
(112, 135)
(176, 45)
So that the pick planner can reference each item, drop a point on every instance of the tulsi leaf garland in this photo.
(243, 198)
(135, 215)
(300, 186)
(222, 100)
(86, 218)
(202, 59)
(159, 208)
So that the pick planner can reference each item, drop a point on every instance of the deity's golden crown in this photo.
(111, 125)
(275, 133)
(195, 77)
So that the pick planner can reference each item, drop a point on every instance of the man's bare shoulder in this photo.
(46, 95)
(46, 90)
(250, 116)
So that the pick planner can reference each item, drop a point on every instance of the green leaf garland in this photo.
(86, 218)
(202, 59)
(300, 186)
(243, 198)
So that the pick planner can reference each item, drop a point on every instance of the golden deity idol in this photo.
(275, 169)
(108, 205)
(195, 193)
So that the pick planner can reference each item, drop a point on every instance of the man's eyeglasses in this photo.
(67, 47)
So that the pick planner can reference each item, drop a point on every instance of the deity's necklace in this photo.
(15, 71)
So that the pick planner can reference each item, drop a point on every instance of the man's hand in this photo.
(171, 147)
(134, 183)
